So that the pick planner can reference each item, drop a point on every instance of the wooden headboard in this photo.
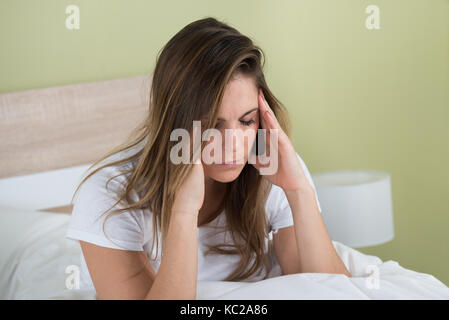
(65, 126)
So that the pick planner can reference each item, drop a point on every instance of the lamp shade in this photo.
(356, 206)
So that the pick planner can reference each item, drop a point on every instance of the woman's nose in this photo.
(232, 141)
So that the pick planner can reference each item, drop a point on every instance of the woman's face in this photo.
(239, 110)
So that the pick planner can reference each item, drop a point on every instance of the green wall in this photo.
(358, 98)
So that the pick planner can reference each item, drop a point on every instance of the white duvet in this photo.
(38, 262)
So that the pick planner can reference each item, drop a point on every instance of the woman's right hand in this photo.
(189, 196)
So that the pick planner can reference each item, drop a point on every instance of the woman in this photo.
(173, 224)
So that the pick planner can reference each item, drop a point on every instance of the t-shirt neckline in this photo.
(213, 222)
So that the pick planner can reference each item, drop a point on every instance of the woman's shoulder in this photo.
(98, 196)
(118, 173)
(104, 187)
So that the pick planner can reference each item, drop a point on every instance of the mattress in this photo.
(38, 262)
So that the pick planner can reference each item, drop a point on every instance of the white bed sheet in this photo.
(35, 254)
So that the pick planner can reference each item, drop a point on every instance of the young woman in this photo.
(174, 224)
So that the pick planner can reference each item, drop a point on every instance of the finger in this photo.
(263, 102)
(268, 112)
(270, 119)
(262, 113)
(262, 119)
(267, 119)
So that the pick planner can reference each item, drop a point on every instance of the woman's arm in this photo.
(178, 272)
(123, 274)
(316, 252)
(118, 274)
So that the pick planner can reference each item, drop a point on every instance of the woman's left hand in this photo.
(289, 174)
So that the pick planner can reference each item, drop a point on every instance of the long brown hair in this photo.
(188, 83)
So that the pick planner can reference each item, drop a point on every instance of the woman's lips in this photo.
(231, 164)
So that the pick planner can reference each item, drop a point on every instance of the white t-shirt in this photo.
(133, 230)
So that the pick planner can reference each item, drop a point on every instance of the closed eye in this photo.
(247, 123)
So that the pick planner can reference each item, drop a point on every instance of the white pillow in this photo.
(14, 224)
(34, 255)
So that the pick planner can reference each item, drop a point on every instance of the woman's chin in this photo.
(225, 174)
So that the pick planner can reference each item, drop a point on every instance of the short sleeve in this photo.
(123, 230)
(278, 208)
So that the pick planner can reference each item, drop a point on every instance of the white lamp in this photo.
(356, 206)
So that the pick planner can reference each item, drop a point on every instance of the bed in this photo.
(50, 136)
